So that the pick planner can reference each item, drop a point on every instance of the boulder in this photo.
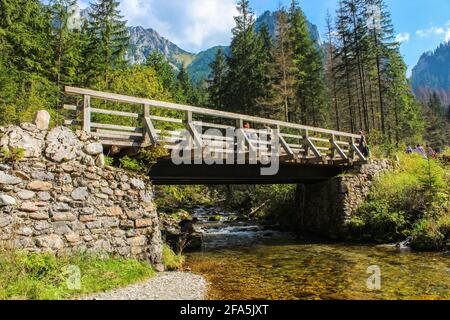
(38, 185)
(8, 179)
(94, 149)
(16, 138)
(42, 120)
(80, 194)
(26, 195)
(6, 200)
(63, 145)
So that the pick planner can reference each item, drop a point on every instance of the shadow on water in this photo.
(250, 262)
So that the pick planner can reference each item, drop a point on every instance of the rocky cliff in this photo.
(57, 195)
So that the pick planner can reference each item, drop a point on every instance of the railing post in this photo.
(86, 113)
(306, 143)
(146, 132)
(188, 122)
(333, 147)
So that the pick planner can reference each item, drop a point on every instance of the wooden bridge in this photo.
(304, 153)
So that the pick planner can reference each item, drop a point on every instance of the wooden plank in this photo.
(71, 122)
(122, 143)
(294, 136)
(313, 148)
(115, 127)
(195, 135)
(164, 119)
(358, 152)
(247, 140)
(114, 136)
(86, 126)
(338, 148)
(149, 131)
(119, 133)
(116, 113)
(203, 111)
(70, 107)
(212, 125)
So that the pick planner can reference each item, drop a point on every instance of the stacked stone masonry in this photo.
(62, 198)
(326, 208)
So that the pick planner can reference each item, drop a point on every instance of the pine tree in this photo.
(309, 65)
(266, 63)
(217, 83)
(245, 77)
(68, 42)
(283, 85)
(165, 72)
(108, 39)
(435, 104)
(184, 83)
(330, 70)
(25, 60)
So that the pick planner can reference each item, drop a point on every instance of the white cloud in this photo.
(443, 31)
(193, 25)
(403, 37)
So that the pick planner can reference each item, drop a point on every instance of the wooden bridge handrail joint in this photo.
(307, 149)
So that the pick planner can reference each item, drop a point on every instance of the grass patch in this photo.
(171, 260)
(43, 276)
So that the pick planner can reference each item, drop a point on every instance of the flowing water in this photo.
(246, 261)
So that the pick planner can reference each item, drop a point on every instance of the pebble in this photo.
(164, 286)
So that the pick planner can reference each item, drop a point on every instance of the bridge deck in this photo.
(210, 132)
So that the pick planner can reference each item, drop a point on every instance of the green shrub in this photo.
(408, 201)
(426, 235)
(171, 260)
(170, 198)
(12, 155)
(131, 164)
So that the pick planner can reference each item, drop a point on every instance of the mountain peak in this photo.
(432, 74)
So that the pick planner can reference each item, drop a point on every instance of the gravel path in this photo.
(164, 286)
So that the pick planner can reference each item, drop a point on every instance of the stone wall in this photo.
(61, 197)
(326, 208)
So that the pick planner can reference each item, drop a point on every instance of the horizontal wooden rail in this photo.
(202, 111)
(299, 143)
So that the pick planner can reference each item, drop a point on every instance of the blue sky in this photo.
(195, 25)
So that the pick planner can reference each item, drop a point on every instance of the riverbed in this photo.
(247, 261)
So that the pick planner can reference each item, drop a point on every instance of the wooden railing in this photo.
(297, 142)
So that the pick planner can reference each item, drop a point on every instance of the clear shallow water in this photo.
(288, 270)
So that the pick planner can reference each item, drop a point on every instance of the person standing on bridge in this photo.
(363, 146)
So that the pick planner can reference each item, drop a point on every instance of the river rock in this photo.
(6, 200)
(137, 183)
(40, 185)
(62, 145)
(26, 194)
(80, 194)
(9, 179)
(17, 138)
(42, 120)
(94, 149)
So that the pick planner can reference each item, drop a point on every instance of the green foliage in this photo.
(171, 260)
(431, 234)
(169, 198)
(143, 160)
(11, 155)
(408, 201)
(33, 276)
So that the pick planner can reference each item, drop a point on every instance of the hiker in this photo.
(430, 152)
(363, 147)
(419, 149)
